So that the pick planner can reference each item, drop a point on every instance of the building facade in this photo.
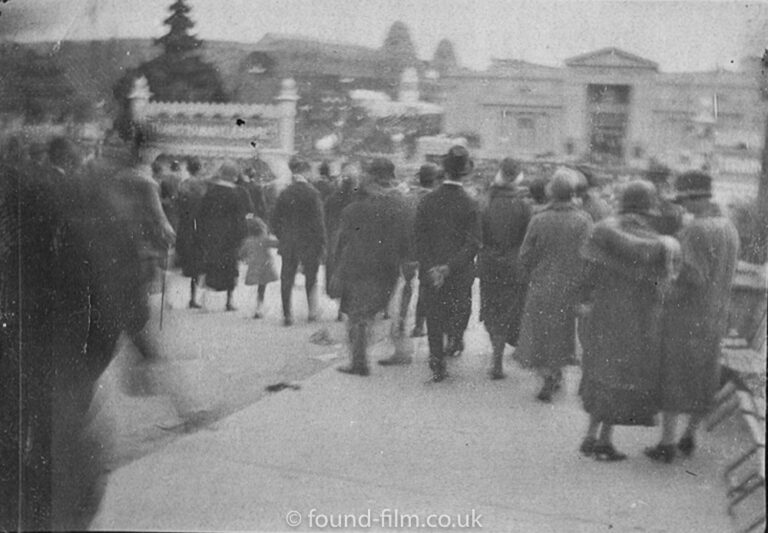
(610, 107)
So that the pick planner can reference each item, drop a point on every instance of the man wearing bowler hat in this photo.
(447, 238)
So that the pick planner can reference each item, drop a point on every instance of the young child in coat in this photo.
(255, 252)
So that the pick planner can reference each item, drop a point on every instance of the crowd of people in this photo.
(641, 282)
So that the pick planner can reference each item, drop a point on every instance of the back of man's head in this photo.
(298, 165)
(63, 153)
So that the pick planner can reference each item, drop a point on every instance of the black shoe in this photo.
(258, 315)
(194, 305)
(664, 453)
(686, 445)
(396, 360)
(231, 307)
(354, 370)
(288, 321)
(587, 447)
(606, 452)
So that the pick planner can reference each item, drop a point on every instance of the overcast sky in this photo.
(679, 35)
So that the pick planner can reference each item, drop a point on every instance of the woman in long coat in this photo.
(502, 295)
(625, 280)
(696, 315)
(222, 229)
(550, 260)
(189, 253)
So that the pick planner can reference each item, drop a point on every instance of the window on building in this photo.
(526, 133)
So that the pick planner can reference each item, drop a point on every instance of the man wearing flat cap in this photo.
(373, 242)
(447, 237)
(696, 315)
(299, 224)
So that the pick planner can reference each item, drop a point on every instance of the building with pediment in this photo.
(610, 107)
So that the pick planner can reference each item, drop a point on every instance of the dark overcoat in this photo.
(189, 253)
(332, 209)
(373, 241)
(222, 229)
(298, 221)
(447, 231)
(621, 335)
(550, 259)
(505, 220)
(696, 314)
(69, 272)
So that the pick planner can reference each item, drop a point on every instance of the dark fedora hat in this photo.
(298, 164)
(692, 185)
(382, 171)
(637, 197)
(457, 162)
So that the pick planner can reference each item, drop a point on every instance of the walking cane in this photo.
(162, 289)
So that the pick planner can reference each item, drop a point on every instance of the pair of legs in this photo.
(260, 293)
(358, 330)
(598, 443)
(448, 309)
(665, 450)
(403, 348)
(365, 298)
(193, 304)
(421, 317)
(310, 264)
(409, 272)
(498, 342)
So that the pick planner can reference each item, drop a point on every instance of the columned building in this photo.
(609, 107)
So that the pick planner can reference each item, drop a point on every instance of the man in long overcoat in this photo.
(696, 314)
(550, 260)
(299, 224)
(447, 237)
(505, 220)
(373, 241)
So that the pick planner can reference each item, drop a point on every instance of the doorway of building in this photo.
(608, 115)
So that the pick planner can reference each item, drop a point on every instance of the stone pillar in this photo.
(287, 103)
(139, 98)
(408, 91)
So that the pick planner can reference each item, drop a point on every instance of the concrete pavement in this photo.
(391, 445)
